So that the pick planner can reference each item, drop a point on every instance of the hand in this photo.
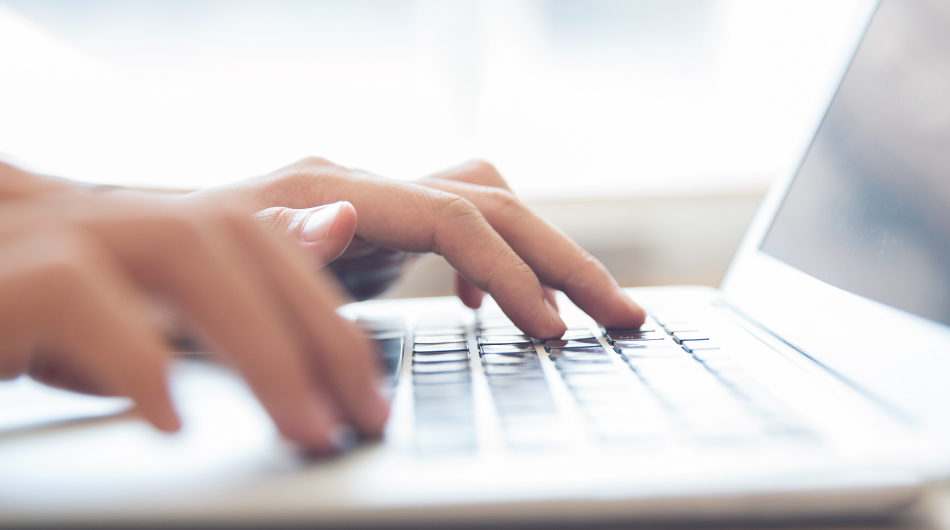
(75, 272)
(467, 215)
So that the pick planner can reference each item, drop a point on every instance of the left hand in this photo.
(466, 213)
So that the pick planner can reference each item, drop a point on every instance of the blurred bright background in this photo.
(606, 115)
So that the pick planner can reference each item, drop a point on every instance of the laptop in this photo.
(810, 385)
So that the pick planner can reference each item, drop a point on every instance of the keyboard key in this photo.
(435, 339)
(680, 336)
(585, 368)
(513, 369)
(647, 327)
(621, 345)
(503, 339)
(575, 334)
(446, 391)
(389, 354)
(700, 345)
(683, 362)
(525, 407)
(564, 344)
(604, 380)
(441, 378)
(432, 368)
(583, 358)
(639, 353)
(637, 336)
(597, 351)
(510, 358)
(454, 407)
(440, 347)
(488, 349)
(440, 357)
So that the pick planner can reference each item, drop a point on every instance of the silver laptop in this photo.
(812, 384)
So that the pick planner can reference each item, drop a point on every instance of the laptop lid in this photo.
(848, 258)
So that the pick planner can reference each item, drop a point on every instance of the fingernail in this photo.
(342, 437)
(316, 227)
(555, 316)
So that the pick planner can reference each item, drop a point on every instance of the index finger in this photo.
(557, 259)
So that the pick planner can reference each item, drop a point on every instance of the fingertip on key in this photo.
(635, 315)
(557, 325)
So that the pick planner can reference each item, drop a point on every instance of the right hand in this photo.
(76, 269)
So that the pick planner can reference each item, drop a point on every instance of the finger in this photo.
(59, 367)
(551, 295)
(205, 269)
(337, 351)
(558, 261)
(323, 232)
(473, 172)
(67, 287)
(415, 218)
(470, 295)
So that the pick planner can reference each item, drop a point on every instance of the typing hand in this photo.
(77, 268)
(466, 214)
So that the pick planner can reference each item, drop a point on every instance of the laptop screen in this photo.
(869, 208)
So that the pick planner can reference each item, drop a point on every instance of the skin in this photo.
(79, 270)
(467, 214)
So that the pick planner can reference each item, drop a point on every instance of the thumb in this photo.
(323, 232)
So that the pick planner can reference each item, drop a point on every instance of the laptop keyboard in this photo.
(667, 380)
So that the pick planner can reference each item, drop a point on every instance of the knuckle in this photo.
(586, 273)
(502, 200)
(315, 161)
(488, 173)
(278, 217)
(454, 217)
(307, 180)
(484, 167)
(454, 207)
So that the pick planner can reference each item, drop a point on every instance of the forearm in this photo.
(16, 183)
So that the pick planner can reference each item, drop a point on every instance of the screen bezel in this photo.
(896, 357)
